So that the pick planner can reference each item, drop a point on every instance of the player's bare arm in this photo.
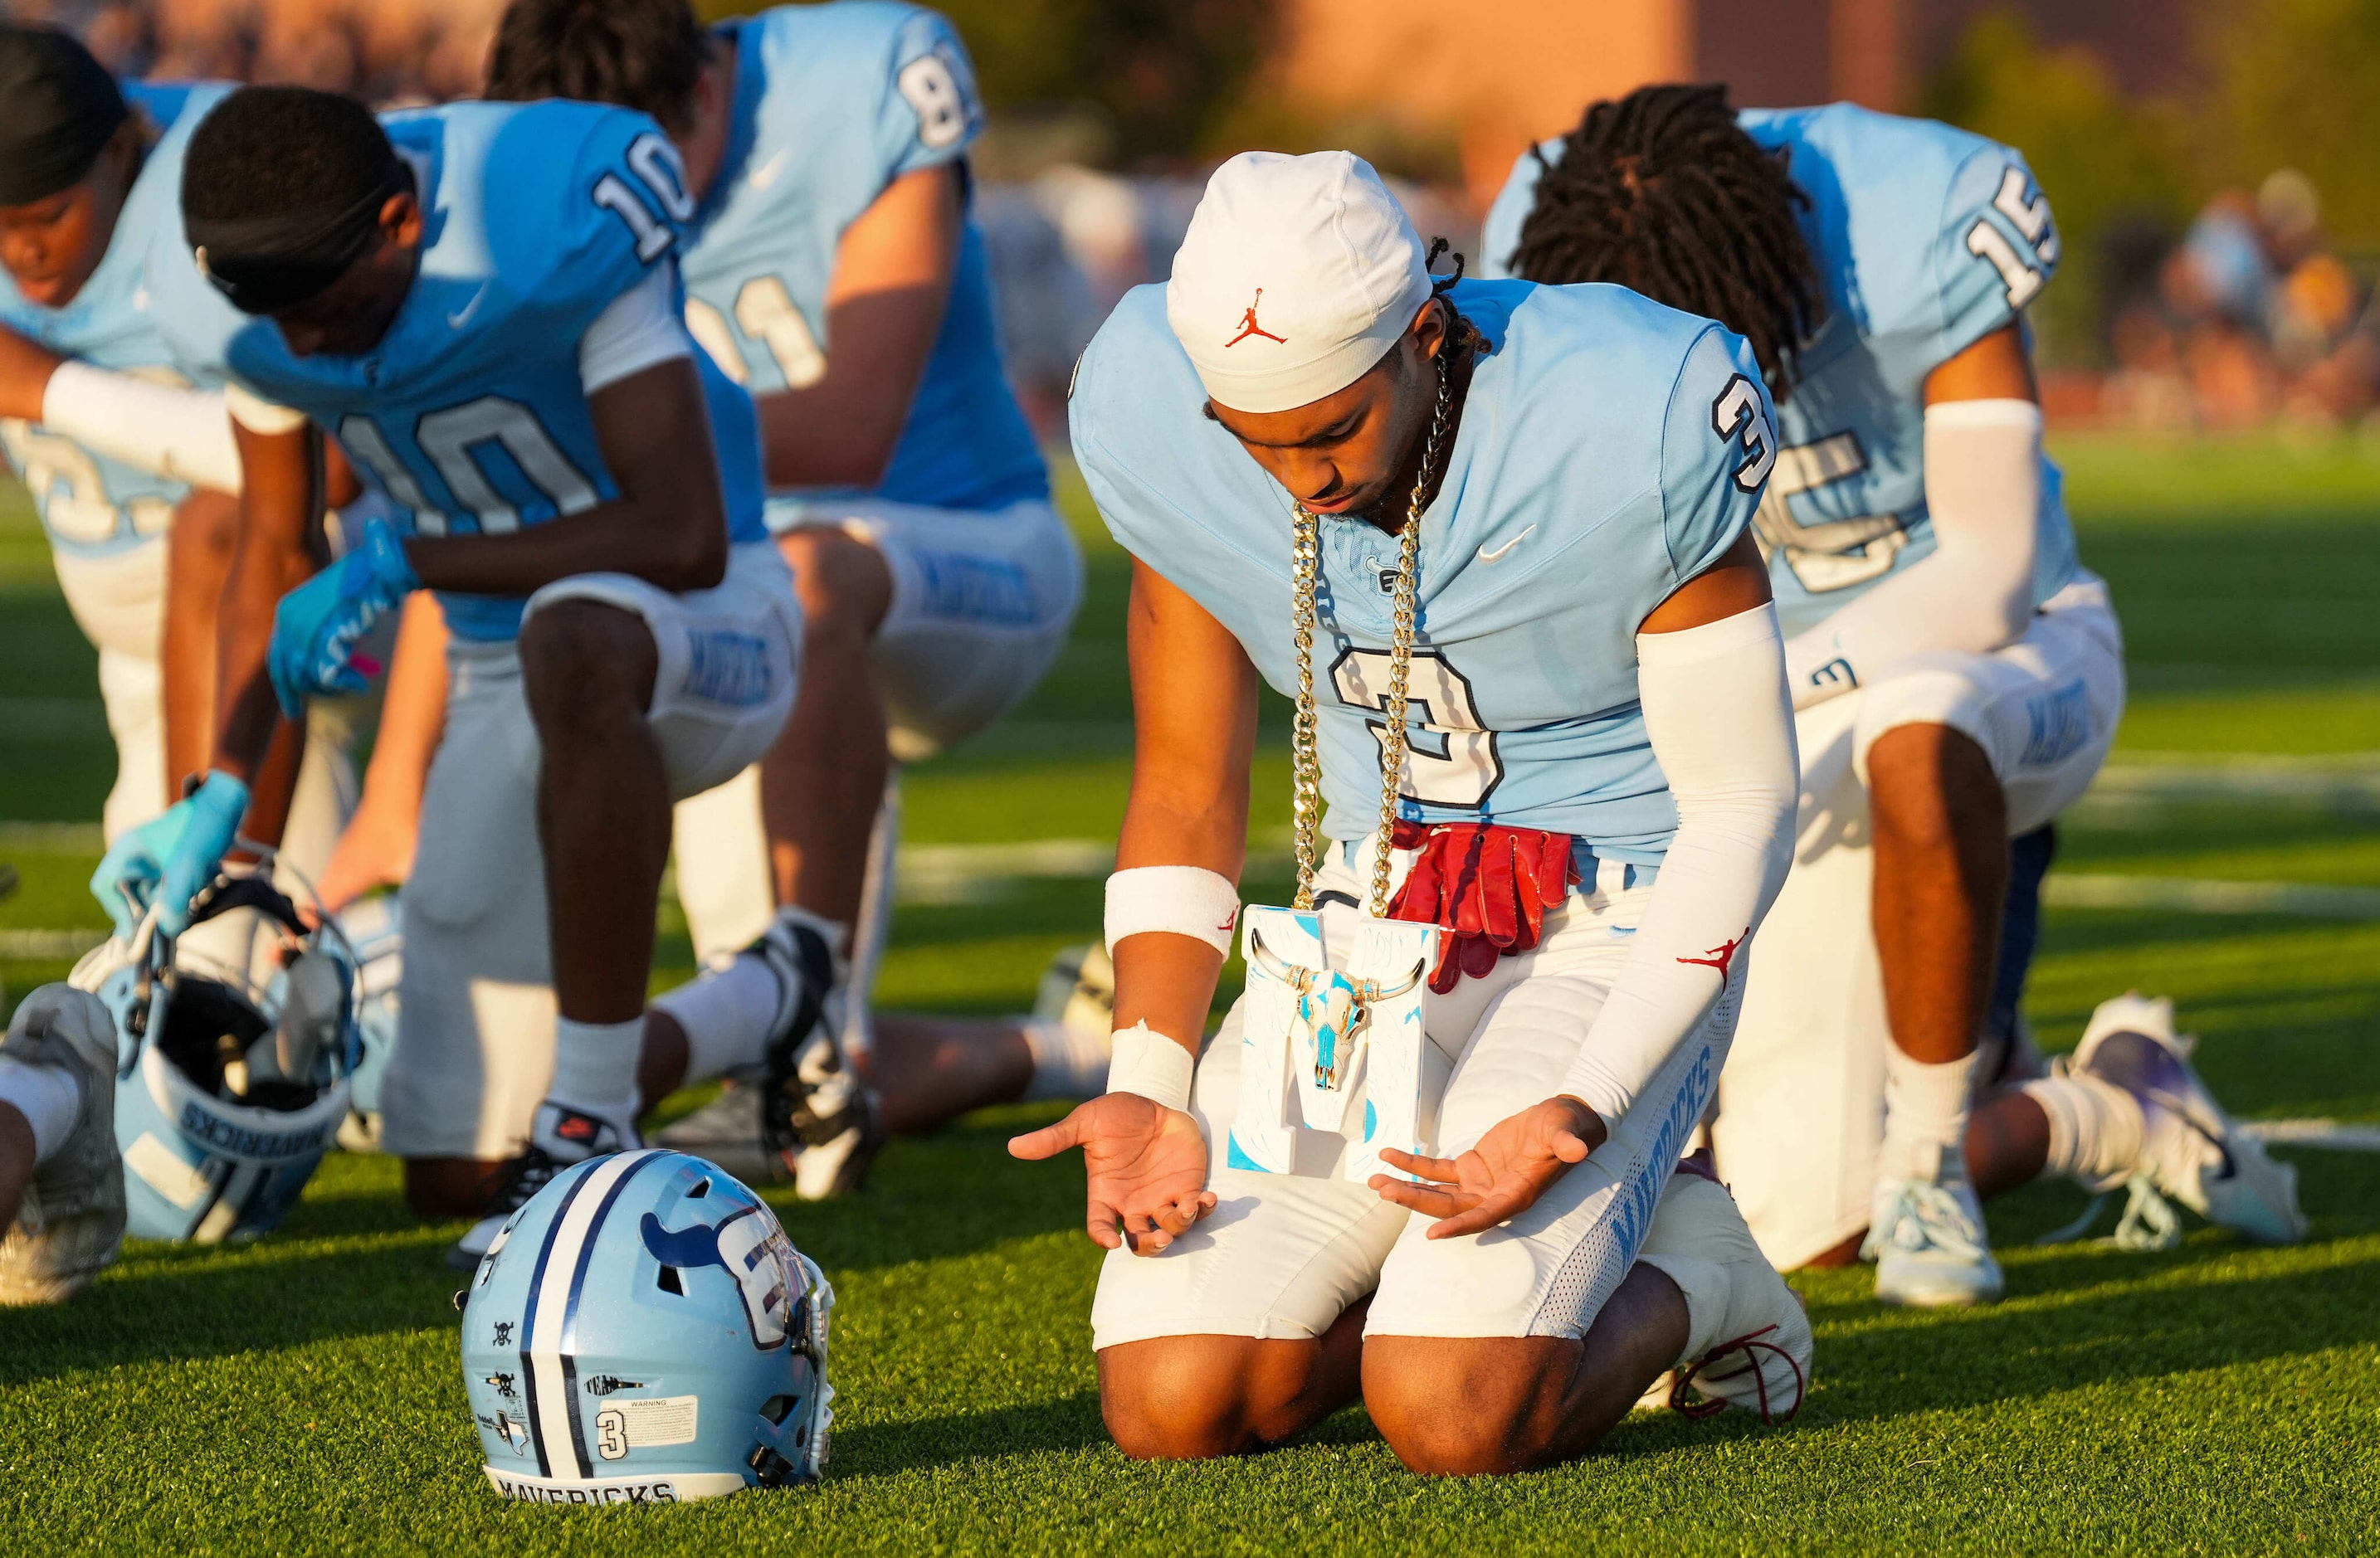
(376, 849)
(668, 526)
(1193, 700)
(1999, 367)
(883, 312)
(280, 508)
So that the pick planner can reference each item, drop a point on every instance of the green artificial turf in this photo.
(303, 1394)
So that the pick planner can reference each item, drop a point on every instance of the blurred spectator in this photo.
(2251, 315)
(387, 52)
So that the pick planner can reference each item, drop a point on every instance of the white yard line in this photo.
(47, 946)
(50, 838)
(2349, 785)
(2184, 895)
(2315, 1133)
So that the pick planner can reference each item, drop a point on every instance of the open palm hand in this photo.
(1146, 1165)
(1514, 1164)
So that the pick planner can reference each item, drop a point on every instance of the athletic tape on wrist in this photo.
(1185, 899)
(1151, 1065)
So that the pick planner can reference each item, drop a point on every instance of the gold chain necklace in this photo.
(1305, 760)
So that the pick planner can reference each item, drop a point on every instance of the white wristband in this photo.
(1151, 1065)
(1185, 899)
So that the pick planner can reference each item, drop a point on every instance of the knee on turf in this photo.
(581, 658)
(1188, 1398)
(1466, 1408)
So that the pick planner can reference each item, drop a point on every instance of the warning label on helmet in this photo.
(623, 1426)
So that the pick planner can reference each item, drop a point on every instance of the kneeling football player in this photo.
(1957, 674)
(1494, 539)
(833, 267)
(481, 303)
(130, 467)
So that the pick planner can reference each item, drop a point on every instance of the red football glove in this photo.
(1489, 886)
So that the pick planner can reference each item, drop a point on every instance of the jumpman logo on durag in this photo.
(1248, 326)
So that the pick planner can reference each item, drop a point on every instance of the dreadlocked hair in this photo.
(1663, 193)
(1463, 339)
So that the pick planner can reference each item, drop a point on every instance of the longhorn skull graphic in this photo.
(1334, 1012)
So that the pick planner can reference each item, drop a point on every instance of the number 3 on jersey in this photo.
(1739, 412)
(1464, 773)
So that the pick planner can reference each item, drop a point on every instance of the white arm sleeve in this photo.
(1714, 701)
(637, 330)
(1975, 594)
(168, 430)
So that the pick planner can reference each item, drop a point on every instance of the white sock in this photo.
(1924, 1117)
(1067, 1062)
(48, 1097)
(726, 1015)
(595, 1066)
(2094, 1129)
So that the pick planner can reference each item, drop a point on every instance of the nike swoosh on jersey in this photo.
(462, 316)
(766, 173)
(1487, 556)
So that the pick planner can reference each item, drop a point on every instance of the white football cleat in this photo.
(1761, 1350)
(1072, 1031)
(1927, 1239)
(1078, 989)
(816, 1111)
(2189, 1148)
(70, 1224)
(559, 1137)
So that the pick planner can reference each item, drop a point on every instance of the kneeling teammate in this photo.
(1957, 674)
(131, 467)
(833, 268)
(481, 302)
(1533, 502)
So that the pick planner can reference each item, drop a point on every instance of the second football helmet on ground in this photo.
(643, 1332)
(229, 1094)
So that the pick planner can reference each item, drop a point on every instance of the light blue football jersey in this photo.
(1610, 450)
(832, 103)
(92, 505)
(469, 414)
(1927, 239)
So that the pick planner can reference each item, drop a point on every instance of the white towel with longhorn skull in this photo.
(1316, 1036)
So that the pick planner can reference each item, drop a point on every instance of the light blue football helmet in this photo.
(229, 1089)
(643, 1332)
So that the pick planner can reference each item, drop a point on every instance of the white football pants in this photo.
(1801, 1105)
(1285, 1255)
(476, 1007)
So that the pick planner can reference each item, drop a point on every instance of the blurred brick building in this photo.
(1495, 73)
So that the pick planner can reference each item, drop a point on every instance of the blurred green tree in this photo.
(1164, 73)
(2102, 158)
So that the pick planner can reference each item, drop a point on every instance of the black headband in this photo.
(267, 263)
(57, 108)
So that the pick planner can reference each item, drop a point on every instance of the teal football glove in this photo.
(170, 860)
(317, 625)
